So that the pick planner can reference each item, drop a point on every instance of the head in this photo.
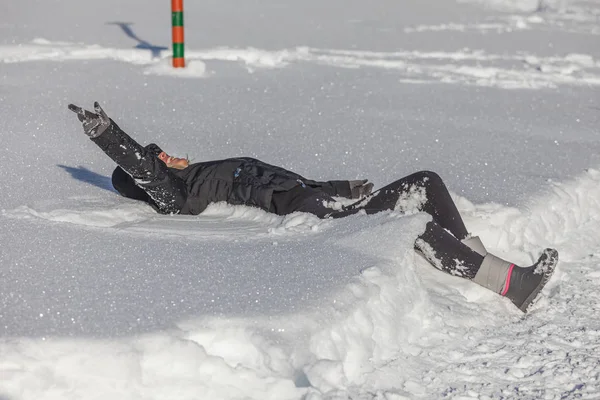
(174, 162)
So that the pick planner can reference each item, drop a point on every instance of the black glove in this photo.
(94, 123)
(360, 188)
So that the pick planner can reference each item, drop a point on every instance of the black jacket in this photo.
(243, 180)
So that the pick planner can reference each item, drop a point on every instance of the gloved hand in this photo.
(360, 188)
(94, 123)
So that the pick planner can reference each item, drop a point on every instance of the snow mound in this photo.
(193, 69)
(333, 341)
(313, 349)
(564, 216)
(86, 211)
(133, 217)
(522, 5)
(364, 300)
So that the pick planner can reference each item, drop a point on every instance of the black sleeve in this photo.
(333, 188)
(167, 191)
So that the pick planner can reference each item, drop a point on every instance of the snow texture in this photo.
(102, 298)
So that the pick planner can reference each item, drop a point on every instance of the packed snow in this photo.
(100, 297)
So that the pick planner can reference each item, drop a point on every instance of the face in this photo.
(173, 162)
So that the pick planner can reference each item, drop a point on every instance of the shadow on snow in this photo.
(85, 175)
(142, 44)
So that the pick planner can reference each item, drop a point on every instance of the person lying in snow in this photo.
(173, 186)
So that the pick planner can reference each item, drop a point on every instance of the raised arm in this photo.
(149, 172)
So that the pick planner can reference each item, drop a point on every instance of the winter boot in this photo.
(474, 243)
(520, 285)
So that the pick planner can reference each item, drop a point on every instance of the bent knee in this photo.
(428, 178)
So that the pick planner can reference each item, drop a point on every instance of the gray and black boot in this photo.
(520, 285)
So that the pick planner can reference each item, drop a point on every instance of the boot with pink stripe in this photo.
(521, 285)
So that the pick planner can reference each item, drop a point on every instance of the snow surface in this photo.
(100, 297)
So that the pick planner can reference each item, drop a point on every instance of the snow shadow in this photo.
(142, 44)
(85, 175)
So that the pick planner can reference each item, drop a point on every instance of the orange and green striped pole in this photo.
(177, 17)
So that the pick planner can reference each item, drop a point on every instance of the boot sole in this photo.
(549, 259)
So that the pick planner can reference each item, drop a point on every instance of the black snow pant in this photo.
(422, 191)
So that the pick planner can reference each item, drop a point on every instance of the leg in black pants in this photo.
(422, 191)
(442, 242)
(446, 252)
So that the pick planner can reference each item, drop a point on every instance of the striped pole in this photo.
(177, 16)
